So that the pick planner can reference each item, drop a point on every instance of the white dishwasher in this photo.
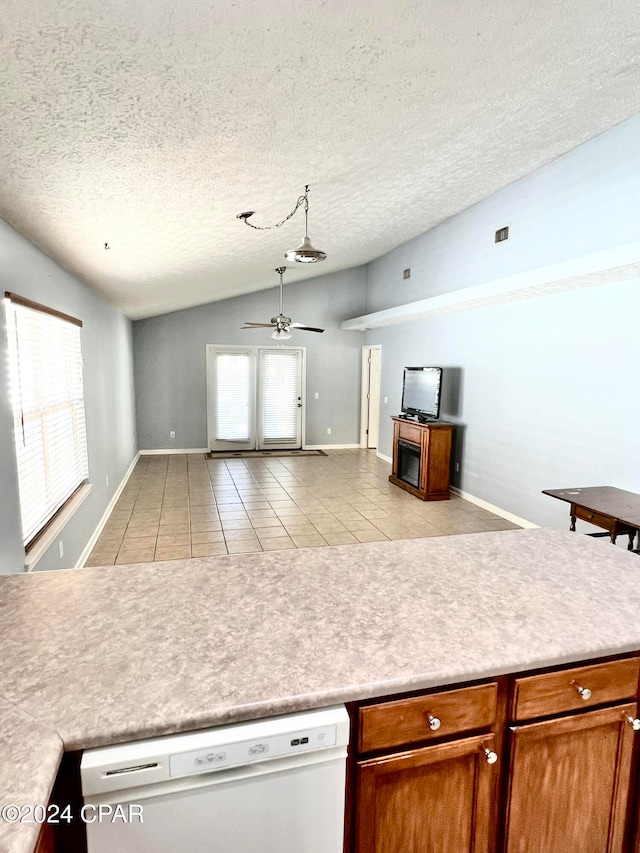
(271, 786)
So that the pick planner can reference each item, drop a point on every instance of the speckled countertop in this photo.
(102, 656)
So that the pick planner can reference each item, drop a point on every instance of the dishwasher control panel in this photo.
(206, 760)
(176, 758)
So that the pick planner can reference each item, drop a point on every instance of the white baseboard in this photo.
(170, 451)
(496, 510)
(331, 447)
(385, 458)
(105, 516)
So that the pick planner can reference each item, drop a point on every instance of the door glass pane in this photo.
(233, 396)
(280, 395)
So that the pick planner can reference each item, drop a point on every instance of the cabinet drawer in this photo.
(556, 692)
(410, 720)
(411, 432)
(604, 521)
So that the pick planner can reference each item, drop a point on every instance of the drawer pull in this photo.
(584, 692)
(634, 723)
(434, 722)
(489, 754)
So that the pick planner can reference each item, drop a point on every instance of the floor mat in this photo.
(249, 454)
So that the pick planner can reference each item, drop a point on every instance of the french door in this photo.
(254, 397)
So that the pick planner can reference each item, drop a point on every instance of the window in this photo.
(47, 397)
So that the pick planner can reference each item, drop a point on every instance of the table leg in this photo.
(632, 536)
(572, 526)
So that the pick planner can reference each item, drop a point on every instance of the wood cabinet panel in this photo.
(557, 692)
(568, 783)
(45, 840)
(410, 432)
(432, 800)
(405, 721)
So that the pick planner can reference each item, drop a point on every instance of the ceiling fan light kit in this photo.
(305, 253)
(281, 325)
(281, 335)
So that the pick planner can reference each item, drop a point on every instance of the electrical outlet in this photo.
(457, 467)
(316, 395)
(328, 430)
(172, 434)
(106, 480)
(61, 549)
(386, 400)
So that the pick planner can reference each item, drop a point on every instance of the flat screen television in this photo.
(421, 392)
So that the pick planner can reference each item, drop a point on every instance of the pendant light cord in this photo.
(302, 200)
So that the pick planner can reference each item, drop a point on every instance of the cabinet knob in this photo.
(434, 722)
(489, 754)
(583, 692)
(634, 723)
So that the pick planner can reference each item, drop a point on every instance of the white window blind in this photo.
(280, 400)
(233, 395)
(48, 409)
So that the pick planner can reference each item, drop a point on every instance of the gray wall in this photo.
(169, 356)
(544, 390)
(584, 202)
(109, 399)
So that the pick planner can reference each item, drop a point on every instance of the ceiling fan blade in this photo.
(257, 325)
(304, 328)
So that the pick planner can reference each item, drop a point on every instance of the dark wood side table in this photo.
(614, 510)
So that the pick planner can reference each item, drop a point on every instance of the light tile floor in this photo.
(184, 505)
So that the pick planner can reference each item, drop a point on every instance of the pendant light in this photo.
(305, 253)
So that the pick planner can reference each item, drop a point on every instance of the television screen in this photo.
(421, 391)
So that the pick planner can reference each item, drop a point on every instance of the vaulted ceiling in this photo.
(149, 126)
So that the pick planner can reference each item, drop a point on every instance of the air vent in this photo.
(502, 234)
(406, 273)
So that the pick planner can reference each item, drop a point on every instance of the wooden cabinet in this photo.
(561, 778)
(421, 461)
(568, 783)
(436, 797)
(574, 689)
(45, 840)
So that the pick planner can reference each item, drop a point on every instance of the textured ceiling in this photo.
(151, 125)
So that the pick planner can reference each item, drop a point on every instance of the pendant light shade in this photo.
(305, 253)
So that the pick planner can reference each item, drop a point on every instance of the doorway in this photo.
(255, 397)
(370, 404)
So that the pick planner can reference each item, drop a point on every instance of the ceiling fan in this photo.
(281, 325)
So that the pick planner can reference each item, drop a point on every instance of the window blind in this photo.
(279, 395)
(233, 396)
(47, 396)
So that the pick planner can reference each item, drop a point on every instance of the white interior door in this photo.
(254, 397)
(370, 406)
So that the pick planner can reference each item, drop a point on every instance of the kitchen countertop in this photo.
(105, 655)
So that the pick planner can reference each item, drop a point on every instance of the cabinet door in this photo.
(569, 782)
(431, 800)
